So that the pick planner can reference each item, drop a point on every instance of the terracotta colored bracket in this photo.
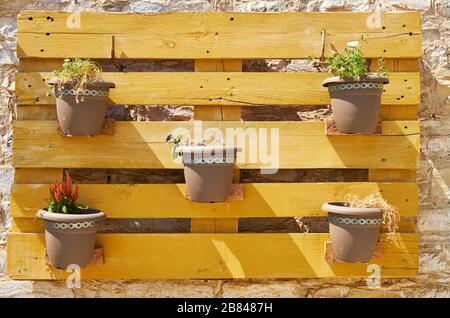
(331, 128)
(96, 258)
(107, 129)
(329, 255)
(236, 193)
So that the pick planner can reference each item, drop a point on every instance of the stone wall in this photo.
(434, 175)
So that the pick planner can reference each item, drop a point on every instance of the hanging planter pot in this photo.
(356, 103)
(82, 116)
(354, 231)
(70, 238)
(208, 171)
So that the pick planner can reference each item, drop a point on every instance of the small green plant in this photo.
(350, 63)
(77, 74)
(63, 197)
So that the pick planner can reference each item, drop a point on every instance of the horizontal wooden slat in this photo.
(202, 256)
(221, 88)
(48, 112)
(260, 199)
(142, 145)
(214, 35)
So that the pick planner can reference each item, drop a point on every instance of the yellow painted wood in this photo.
(397, 65)
(39, 64)
(37, 175)
(392, 175)
(142, 145)
(387, 112)
(218, 88)
(203, 256)
(219, 113)
(380, 175)
(27, 225)
(214, 35)
(260, 199)
(64, 45)
(36, 112)
(399, 112)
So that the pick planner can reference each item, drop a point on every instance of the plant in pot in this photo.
(70, 228)
(208, 169)
(81, 97)
(355, 93)
(355, 226)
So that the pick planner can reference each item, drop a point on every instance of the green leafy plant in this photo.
(63, 197)
(390, 213)
(77, 74)
(350, 63)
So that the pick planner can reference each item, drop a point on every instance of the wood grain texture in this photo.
(37, 175)
(142, 145)
(260, 199)
(203, 256)
(218, 88)
(214, 35)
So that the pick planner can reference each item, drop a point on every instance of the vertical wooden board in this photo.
(37, 175)
(217, 113)
(39, 65)
(392, 175)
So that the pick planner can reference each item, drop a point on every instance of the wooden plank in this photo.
(399, 112)
(392, 175)
(39, 64)
(38, 45)
(218, 113)
(142, 145)
(214, 35)
(37, 175)
(27, 225)
(379, 175)
(387, 112)
(36, 112)
(211, 256)
(218, 88)
(260, 199)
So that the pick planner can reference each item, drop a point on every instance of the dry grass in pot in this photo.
(390, 213)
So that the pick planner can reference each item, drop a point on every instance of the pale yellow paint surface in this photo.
(142, 145)
(260, 199)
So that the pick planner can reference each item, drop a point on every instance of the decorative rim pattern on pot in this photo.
(188, 159)
(74, 225)
(354, 221)
(85, 92)
(346, 86)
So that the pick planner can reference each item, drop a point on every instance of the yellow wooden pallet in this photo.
(217, 42)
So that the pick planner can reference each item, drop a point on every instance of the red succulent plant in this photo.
(63, 196)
